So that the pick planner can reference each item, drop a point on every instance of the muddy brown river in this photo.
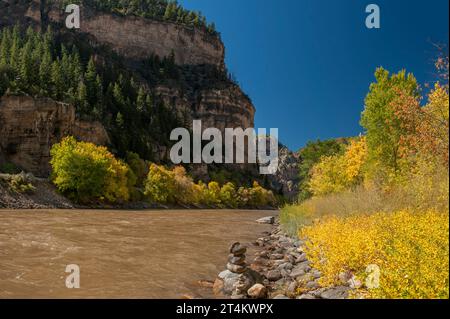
(121, 254)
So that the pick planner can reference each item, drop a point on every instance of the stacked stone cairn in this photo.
(238, 278)
(236, 259)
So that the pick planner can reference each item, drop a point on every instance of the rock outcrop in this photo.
(29, 127)
(138, 38)
(287, 179)
(130, 36)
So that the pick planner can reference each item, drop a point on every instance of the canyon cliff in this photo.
(196, 52)
(29, 127)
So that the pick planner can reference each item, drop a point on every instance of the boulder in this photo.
(292, 288)
(312, 285)
(340, 292)
(225, 283)
(274, 275)
(243, 284)
(266, 220)
(257, 291)
(300, 269)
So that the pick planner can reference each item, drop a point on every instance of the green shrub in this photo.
(160, 185)
(9, 168)
(86, 172)
(19, 183)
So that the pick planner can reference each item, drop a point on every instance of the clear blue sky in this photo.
(307, 64)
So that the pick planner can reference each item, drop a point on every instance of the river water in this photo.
(121, 254)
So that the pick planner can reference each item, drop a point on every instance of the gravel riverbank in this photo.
(279, 269)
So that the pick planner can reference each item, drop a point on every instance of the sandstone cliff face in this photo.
(221, 108)
(29, 127)
(138, 38)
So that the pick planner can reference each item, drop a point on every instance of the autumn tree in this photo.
(311, 155)
(425, 128)
(384, 129)
(337, 173)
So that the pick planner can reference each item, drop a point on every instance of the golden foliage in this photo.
(174, 186)
(334, 174)
(85, 172)
(411, 249)
(424, 129)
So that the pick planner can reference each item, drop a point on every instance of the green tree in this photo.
(383, 127)
(57, 81)
(310, 155)
(45, 71)
(5, 46)
(82, 98)
(91, 77)
(25, 66)
(140, 101)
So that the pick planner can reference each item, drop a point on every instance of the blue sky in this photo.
(307, 64)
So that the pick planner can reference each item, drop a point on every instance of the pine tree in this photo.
(140, 101)
(90, 77)
(45, 71)
(119, 120)
(170, 12)
(117, 94)
(25, 68)
(196, 19)
(76, 70)
(57, 80)
(82, 98)
(5, 46)
(14, 56)
(99, 95)
(65, 66)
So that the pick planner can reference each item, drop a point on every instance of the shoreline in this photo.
(46, 196)
(279, 269)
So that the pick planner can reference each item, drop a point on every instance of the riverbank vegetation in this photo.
(18, 183)
(383, 199)
(88, 173)
(174, 186)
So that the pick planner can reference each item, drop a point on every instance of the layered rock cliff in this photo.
(138, 38)
(29, 127)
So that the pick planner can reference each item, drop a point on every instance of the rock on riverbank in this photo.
(283, 271)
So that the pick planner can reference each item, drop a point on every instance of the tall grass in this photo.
(419, 192)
